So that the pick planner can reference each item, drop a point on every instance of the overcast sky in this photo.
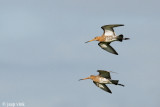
(43, 54)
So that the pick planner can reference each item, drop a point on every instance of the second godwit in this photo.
(107, 37)
(102, 79)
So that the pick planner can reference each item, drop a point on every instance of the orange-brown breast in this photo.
(102, 38)
(95, 78)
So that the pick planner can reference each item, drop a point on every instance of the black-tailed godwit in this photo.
(102, 79)
(107, 37)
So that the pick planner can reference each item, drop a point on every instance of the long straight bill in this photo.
(84, 78)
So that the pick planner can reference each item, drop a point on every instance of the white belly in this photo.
(110, 38)
(104, 80)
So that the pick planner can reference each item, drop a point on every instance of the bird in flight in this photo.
(107, 37)
(102, 79)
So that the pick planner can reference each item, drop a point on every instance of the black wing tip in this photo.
(113, 24)
(121, 24)
(110, 92)
(101, 70)
(115, 53)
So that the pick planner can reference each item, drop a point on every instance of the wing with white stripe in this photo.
(103, 87)
(108, 29)
(105, 74)
(107, 47)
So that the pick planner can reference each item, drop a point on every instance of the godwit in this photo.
(107, 37)
(102, 79)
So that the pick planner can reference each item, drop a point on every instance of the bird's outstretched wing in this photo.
(105, 74)
(107, 47)
(102, 86)
(108, 29)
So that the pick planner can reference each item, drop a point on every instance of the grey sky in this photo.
(43, 54)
